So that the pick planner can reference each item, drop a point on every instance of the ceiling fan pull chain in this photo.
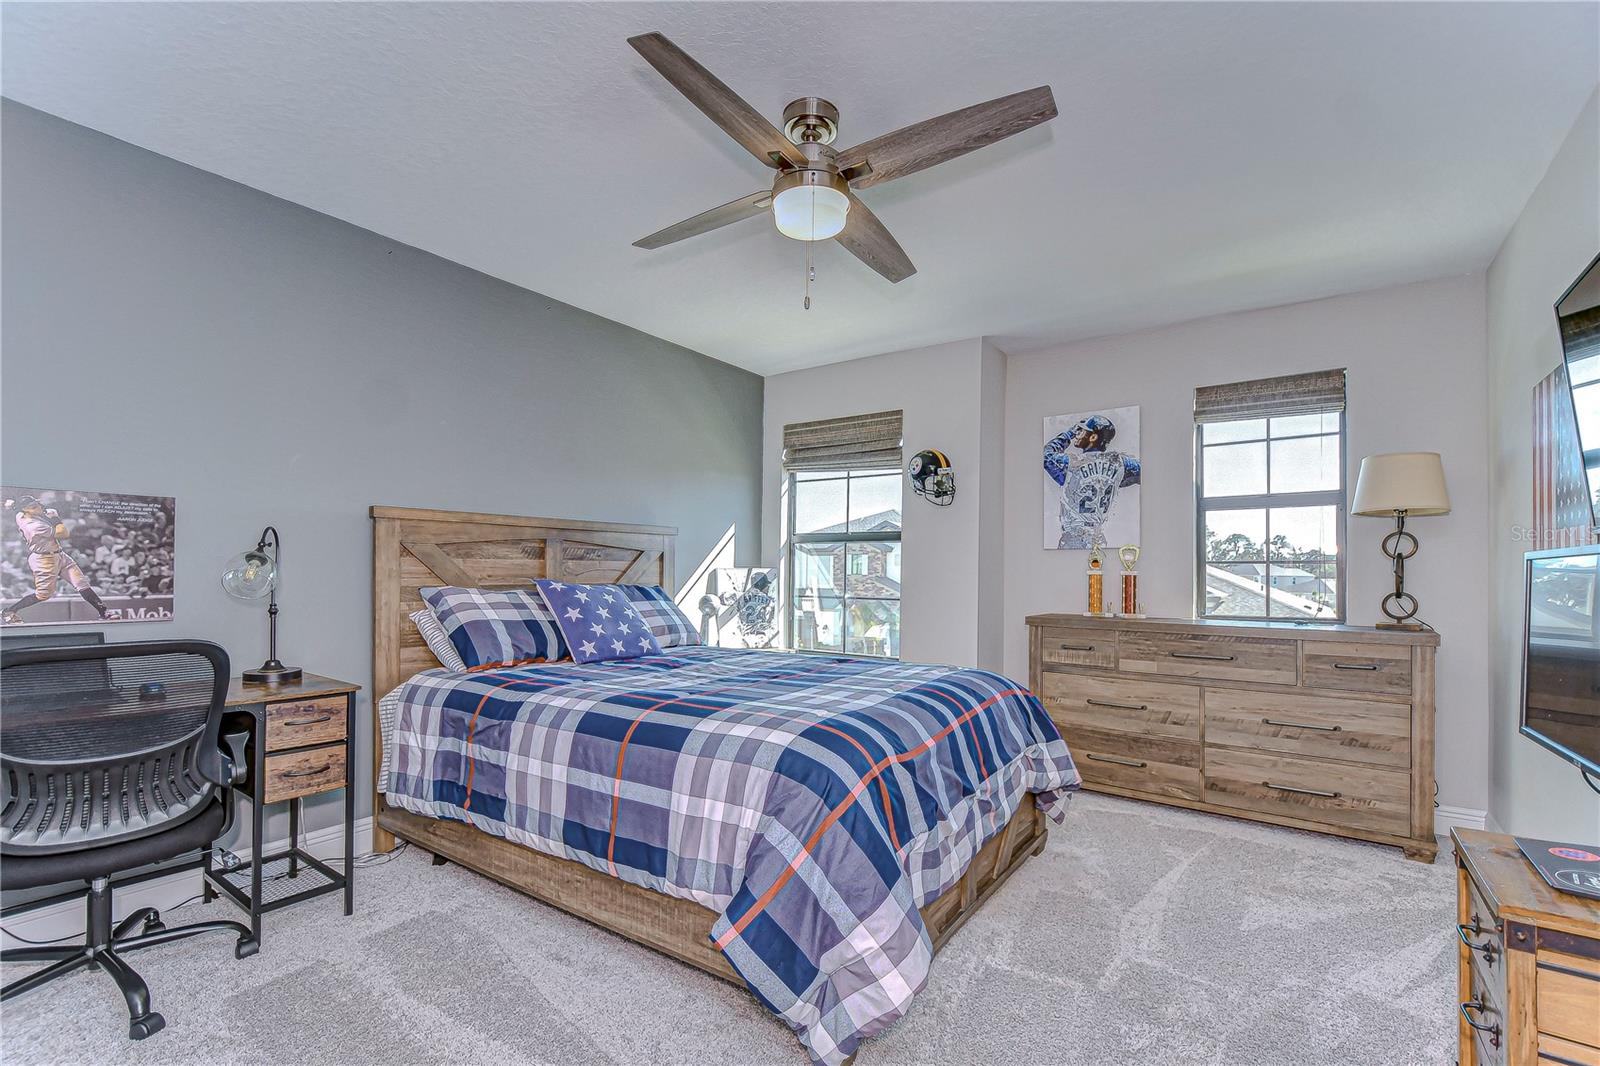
(811, 271)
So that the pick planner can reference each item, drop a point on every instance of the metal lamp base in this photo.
(1414, 627)
(271, 672)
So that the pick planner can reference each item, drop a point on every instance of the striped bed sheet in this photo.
(814, 803)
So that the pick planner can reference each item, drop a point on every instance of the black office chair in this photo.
(112, 759)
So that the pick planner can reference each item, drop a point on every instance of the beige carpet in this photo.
(1143, 935)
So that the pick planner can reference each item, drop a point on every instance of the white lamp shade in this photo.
(810, 212)
(1412, 482)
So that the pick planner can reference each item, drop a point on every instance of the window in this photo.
(844, 561)
(1270, 495)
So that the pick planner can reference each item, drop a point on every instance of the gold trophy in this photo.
(1129, 554)
(1097, 601)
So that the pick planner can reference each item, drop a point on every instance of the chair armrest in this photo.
(235, 767)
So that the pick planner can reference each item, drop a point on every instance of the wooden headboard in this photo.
(413, 548)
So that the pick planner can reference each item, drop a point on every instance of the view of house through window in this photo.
(844, 561)
(1271, 517)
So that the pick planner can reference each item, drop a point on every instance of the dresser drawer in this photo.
(303, 773)
(1156, 765)
(1066, 647)
(1320, 727)
(1567, 996)
(1227, 658)
(1379, 668)
(1359, 797)
(302, 723)
(1553, 1050)
(1151, 707)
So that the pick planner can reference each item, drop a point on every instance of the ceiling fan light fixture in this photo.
(810, 205)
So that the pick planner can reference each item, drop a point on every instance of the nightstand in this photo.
(300, 736)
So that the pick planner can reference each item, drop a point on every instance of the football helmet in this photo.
(932, 478)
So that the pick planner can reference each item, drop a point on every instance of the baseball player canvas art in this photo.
(1093, 473)
(112, 552)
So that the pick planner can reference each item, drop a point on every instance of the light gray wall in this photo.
(944, 603)
(1417, 383)
(169, 332)
(1530, 790)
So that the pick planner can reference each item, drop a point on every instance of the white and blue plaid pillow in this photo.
(494, 627)
(666, 620)
(598, 621)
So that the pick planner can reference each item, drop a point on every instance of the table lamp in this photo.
(1401, 485)
(251, 575)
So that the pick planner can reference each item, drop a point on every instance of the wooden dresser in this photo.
(1529, 970)
(1328, 728)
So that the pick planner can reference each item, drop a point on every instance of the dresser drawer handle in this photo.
(1136, 764)
(1477, 1005)
(1357, 666)
(1303, 725)
(1200, 655)
(1077, 647)
(1302, 791)
(1487, 947)
(1119, 706)
(324, 768)
(295, 722)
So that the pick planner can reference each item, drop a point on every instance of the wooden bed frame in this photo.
(412, 548)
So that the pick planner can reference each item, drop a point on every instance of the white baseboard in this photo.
(67, 918)
(1448, 818)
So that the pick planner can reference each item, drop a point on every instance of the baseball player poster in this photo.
(70, 557)
(1091, 479)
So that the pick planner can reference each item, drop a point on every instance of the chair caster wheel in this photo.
(149, 1025)
(246, 947)
(153, 925)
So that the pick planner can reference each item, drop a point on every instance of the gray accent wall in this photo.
(169, 332)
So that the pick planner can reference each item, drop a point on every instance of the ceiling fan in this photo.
(813, 197)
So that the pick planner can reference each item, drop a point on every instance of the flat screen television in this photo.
(1561, 654)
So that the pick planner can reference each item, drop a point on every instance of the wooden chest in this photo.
(1529, 961)
(1328, 728)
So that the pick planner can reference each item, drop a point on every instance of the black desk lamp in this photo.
(251, 575)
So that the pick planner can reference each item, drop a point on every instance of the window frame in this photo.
(1265, 502)
(796, 539)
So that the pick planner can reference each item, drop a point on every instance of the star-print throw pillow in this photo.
(599, 622)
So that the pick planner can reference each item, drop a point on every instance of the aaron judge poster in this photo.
(70, 556)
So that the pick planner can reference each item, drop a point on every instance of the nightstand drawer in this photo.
(1553, 1049)
(303, 773)
(1568, 996)
(302, 723)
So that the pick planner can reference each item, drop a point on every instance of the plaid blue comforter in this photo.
(814, 803)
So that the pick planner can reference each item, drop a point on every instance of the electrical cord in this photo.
(365, 862)
(1589, 780)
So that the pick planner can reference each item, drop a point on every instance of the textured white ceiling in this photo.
(1208, 157)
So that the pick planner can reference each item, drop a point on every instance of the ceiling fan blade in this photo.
(870, 241)
(721, 104)
(756, 203)
(925, 144)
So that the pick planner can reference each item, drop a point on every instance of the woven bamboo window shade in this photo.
(1292, 394)
(1580, 333)
(858, 442)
